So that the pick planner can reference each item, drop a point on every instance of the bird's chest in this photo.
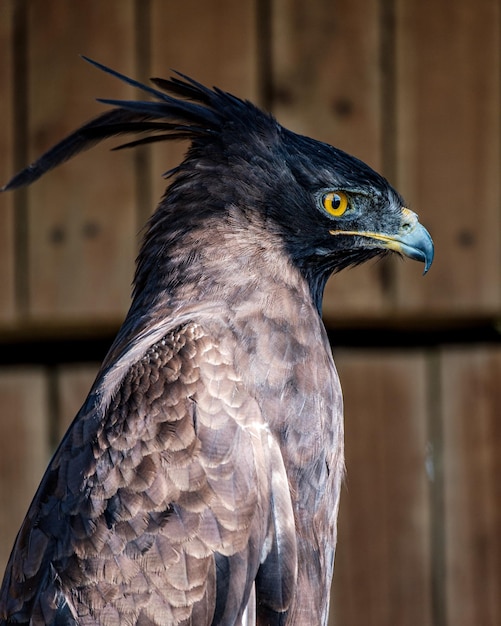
(288, 364)
(292, 375)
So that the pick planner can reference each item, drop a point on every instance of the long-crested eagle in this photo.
(199, 483)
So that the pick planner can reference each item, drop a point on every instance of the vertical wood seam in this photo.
(499, 137)
(435, 466)
(20, 157)
(388, 87)
(387, 270)
(265, 69)
(142, 154)
(53, 408)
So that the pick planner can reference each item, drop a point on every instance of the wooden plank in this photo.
(327, 84)
(215, 43)
(382, 570)
(82, 216)
(24, 450)
(449, 86)
(73, 385)
(7, 298)
(324, 86)
(471, 403)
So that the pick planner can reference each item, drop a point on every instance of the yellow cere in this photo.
(335, 203)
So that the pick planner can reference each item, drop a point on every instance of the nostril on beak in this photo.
(409, 221)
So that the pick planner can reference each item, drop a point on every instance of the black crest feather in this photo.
(195, 111)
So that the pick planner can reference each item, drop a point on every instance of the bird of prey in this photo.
(199, 483)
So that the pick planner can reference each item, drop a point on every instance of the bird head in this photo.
(327, 209)
(335, 210)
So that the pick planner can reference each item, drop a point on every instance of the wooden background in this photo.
(412, 87)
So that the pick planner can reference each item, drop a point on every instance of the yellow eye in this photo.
(335, 203)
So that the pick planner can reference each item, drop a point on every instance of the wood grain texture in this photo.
(82, 217)
(24, 449)
(382, 570)
(73, 385)
(7, 297)
(448, 91)
(327, 84)
(215, 43)
(472, 471)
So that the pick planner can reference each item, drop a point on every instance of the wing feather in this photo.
(159, 511)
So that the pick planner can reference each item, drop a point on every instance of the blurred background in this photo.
(410, 86)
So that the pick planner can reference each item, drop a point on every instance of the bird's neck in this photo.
(227, 257)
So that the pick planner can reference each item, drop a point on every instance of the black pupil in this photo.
(336, 201)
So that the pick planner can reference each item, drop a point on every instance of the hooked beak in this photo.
(412, 239)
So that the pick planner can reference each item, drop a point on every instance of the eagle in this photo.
(200, 481)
